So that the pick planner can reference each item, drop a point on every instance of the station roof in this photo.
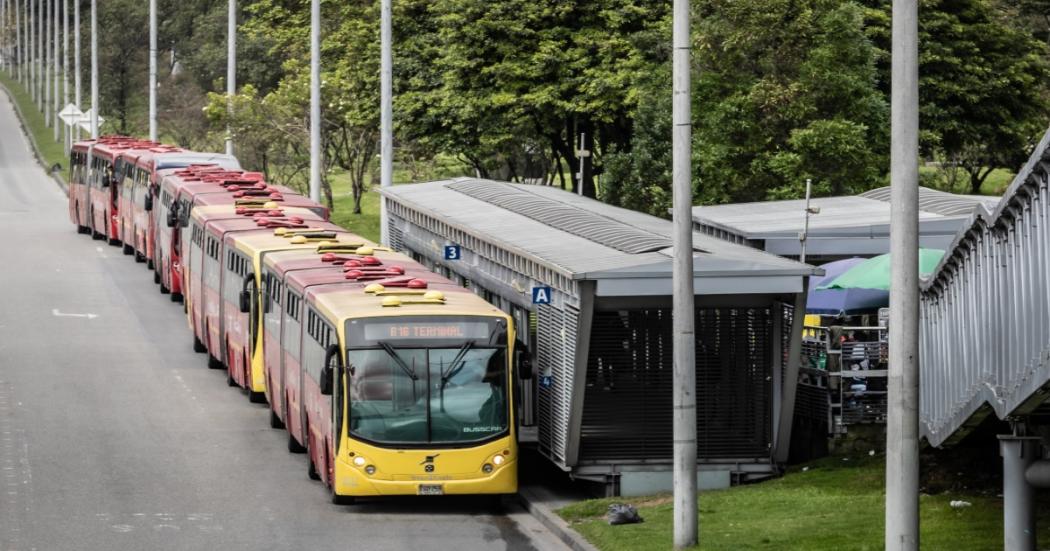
(849, 225)
(579, 237)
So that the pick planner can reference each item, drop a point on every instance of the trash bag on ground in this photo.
(621, 513)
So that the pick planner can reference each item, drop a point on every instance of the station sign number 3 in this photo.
(453, 252)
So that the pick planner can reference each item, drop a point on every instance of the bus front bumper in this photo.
(353, 481)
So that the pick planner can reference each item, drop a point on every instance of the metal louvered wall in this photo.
(627, 403)
(555, 357)
(985, 329)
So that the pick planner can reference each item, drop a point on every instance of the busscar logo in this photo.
(429, 459)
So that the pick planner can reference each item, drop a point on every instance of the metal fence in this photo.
(985, 331)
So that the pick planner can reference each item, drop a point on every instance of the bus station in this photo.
(592, 283)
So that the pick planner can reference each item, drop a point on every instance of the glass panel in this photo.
(467, 394)
(388, 395)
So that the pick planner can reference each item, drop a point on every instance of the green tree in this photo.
(492, 82)
(982, 85)
(786, 91)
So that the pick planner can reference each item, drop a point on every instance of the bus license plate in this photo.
(431, 490)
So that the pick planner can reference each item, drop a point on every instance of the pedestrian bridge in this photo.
(985, 331)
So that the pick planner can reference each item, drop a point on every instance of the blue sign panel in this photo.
(546, 381)
(452, 252)
(541, 295)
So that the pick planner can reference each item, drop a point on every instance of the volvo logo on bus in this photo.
(428, 462)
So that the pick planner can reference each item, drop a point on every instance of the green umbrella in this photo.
(874, 273)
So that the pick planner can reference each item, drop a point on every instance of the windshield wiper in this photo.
(400, 362)
(457, 363)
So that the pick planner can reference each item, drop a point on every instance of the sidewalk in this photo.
(543, 489)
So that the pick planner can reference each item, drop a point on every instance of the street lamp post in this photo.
(94, 70)
(153, 70)
(231, 68)
(315, 100)
(686, 519)
(902, 420)
(386, 112)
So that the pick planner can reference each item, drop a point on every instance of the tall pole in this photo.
(19, 50)
(31, 20)
(45, 59)
(65, 69)
(231, 68)
(57, 65)
(386, 113)
(3, 35)
(686, 519)
(76, 64)
(45, 21)
(153, 70)
(315, 100)
(94, 69)
(902, 421)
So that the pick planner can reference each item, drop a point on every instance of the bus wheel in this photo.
(275, 421)
(257, 397)
(293, 445)
(312, 471)
(176, 297)
(140, 257)
(128, 249)
(214, 363)
(149, 264)
(156, 278)
(114, 241)
(198, 346)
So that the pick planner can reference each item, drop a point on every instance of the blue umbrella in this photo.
(843, 302)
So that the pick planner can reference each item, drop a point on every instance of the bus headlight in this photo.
(498, 460)
(486, 468)
(371, 470)
(360, 461)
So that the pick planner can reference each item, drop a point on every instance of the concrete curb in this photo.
(32, 141)
(534, 504)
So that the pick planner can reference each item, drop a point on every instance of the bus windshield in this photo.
(409, 392)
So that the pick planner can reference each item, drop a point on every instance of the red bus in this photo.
(240, 311)
(202, 273)
(93, 200)
(141, 171)
(310, 268)
(182, 190)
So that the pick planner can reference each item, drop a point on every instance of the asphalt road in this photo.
(115, 436)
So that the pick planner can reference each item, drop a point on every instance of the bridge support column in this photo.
(1019, 530)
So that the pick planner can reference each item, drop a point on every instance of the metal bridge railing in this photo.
(985, 331)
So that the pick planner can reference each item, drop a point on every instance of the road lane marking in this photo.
(58, 314)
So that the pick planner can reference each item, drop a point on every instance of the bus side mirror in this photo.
(148, 203)
(327, 372)
(246, 301)
(172, 218)
(523, 361)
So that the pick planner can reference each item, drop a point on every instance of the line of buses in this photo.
(392, 379)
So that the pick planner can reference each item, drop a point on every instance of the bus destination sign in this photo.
(474, 330)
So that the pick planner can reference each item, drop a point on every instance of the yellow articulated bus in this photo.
(407, 388)
(242, 313)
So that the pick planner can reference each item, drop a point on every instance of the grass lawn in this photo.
(365, 224)
(994, 184)
(53, 152)
(834, 504)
